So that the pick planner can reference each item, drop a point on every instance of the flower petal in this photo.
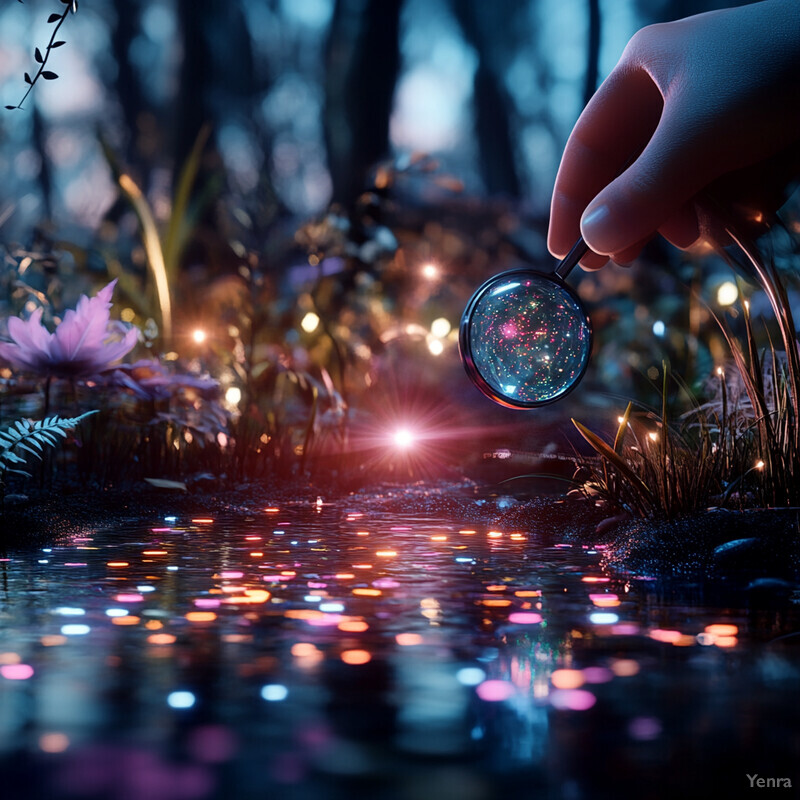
(30, 333)
(85, 327)
(112, 351)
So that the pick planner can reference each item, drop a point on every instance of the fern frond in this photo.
(31, 437)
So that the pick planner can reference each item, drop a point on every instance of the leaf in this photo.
(54, 18)
(37, 54)
(57, 44)
(151, 241)
(28, 78)
(162, 483)
(49, 76)
(614, 458)
(23, 446)
(180, 222)
(623, 426)
(27, 436)
(11, 108)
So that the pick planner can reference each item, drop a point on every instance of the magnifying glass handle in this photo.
(580, 248)
(570, 260)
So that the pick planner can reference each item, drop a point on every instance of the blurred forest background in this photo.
(358, 167)
(304, 96)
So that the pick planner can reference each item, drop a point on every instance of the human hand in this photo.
(710, 99)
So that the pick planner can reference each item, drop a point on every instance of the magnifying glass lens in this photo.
(525, 339)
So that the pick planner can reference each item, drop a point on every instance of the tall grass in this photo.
(720, 453)
(657, 467)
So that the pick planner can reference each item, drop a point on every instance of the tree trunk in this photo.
(363, 60)
(592, 51)
(493, 107)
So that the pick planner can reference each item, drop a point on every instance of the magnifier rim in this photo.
(465, 348)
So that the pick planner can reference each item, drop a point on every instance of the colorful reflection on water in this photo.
(316, 652)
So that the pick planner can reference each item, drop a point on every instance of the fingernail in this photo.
(593, 227)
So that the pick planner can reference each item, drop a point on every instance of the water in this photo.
(315, 652)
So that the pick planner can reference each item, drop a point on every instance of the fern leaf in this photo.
(13, 434)
(31, 437)
(27, 449)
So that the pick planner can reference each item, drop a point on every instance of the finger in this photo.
(682, 228)
(626, 257)
(591, 262)
(673, 167)
(614, 126)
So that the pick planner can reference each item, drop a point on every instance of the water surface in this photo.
(317, 651)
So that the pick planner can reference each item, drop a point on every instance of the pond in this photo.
(319, 650)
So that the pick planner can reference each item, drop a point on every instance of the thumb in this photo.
(669, 171)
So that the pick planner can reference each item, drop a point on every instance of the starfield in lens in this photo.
(529, 338)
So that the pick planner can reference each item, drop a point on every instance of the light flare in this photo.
(403, 438)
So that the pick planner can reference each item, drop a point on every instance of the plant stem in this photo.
(46, 55)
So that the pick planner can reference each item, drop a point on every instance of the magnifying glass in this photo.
(525, 337)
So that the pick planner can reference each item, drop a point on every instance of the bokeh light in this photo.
(727, 293)
(274, 692)
(181, 699)
(310, 322)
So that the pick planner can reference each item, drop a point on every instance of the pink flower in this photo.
(79, 347)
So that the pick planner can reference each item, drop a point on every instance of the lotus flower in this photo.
(79, 347)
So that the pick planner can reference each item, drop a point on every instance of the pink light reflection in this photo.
(329, 620)
(524, 618)
(494, 691)
(16, 672)
(572, 699)
(207, 602)
(597, 674)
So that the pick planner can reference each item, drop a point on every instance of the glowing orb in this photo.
(403, 438)
(430, 271)
(310, 322)
(199, 335)
(436, 347)
(441, 327)
(727, 293)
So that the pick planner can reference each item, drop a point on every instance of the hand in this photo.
(711, 98)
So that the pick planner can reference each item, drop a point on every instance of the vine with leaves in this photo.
(42, 58)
